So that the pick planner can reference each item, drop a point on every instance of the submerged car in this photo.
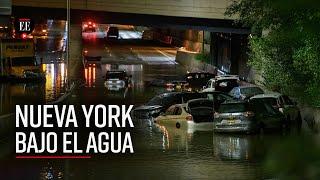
(195, 115)
(224, 83)
(115, 80)
(217, 97)
(161, 102)
(245, 92)
(284, 104)
(113, 33)
(199, 79)
(247, 117)
(176, 85)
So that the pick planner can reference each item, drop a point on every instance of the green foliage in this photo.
(294, 158)
(285, 44)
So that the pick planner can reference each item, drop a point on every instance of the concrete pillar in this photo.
(75, 65)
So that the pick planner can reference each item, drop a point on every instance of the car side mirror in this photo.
(204, 87)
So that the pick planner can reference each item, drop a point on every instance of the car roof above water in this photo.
(269, 95)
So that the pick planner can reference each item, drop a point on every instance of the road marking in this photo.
(169, 57)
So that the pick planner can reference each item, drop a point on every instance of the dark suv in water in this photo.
(199, 79)
(161, 102)
(248, 117)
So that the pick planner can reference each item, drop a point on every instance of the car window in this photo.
(232, 92)
(221, 98)
(281, 101)
(233, 108)
(170, 110)
(260, 106)
(177, 111)
(111, 75)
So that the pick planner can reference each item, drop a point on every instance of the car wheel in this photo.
(178, 125)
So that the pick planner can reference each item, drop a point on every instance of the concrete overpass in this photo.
(198, 15)
(185, 14)
(211, 9)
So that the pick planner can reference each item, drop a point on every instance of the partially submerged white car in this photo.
(196, 115)
(224, 83)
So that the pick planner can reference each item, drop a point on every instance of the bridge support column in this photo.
(75, 65)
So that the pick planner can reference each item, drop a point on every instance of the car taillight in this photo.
(90, 22)
(216, 115)
(86, 25)
(94, 25)
(189, 118)
(249, 114)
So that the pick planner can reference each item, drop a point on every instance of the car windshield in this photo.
(154, 101)
(23, 61)
(119, 75)
(232, 108)
(250, 91)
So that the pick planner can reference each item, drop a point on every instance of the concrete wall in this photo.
(182, 8)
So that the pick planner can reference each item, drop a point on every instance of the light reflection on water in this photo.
(56, 76)
(34, 93)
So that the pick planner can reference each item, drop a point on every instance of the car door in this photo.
(172, 116)
(272, 117)
(290, 108)
(266, 116)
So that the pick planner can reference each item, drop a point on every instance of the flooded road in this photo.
(50, 51)
(160, 152)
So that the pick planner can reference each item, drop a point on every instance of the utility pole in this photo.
(68, 42)
(1, 58)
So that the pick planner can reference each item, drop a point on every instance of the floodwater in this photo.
(50, 51)
(159, 152)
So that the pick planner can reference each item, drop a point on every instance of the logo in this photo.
(24, 25)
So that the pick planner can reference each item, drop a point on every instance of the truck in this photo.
(18, 60)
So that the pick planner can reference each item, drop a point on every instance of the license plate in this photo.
(231, 121)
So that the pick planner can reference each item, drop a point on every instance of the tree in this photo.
(284, 44)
